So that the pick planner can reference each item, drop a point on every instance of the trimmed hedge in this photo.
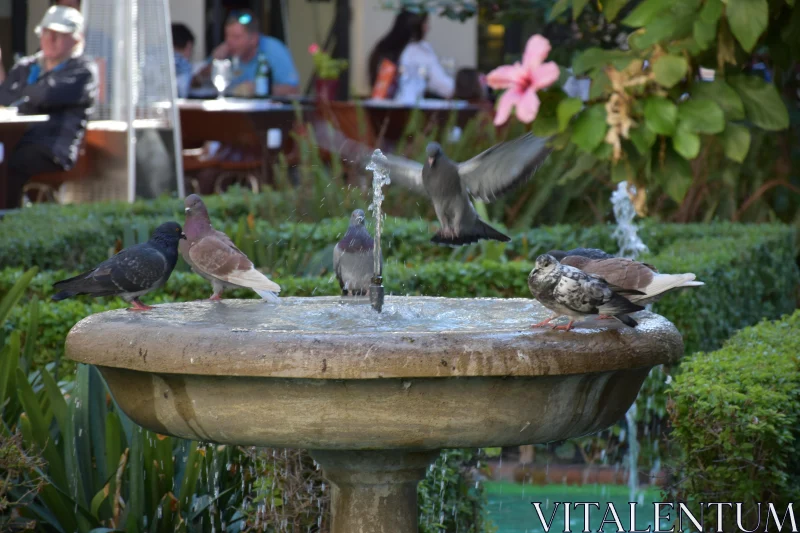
(736, 419)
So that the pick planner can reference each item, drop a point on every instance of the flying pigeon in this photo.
(634, 275)
(131, 273)
(213, 255)
(572, 292)
(449, 184)
(353, 261)
(590, 253)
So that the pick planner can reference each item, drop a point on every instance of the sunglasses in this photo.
(242, 18)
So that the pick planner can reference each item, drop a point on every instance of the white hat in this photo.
(61, 19)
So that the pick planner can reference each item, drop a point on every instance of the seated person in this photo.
(243, 41)
(57, 81)
(183, 47)
(470, 86)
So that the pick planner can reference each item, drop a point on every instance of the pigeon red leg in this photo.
(565, 328)
(139, 306)
(544, 322)
(215, 297)
(605, 317)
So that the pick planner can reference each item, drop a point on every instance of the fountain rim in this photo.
(124, 340)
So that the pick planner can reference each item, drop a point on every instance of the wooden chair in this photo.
(43, 188)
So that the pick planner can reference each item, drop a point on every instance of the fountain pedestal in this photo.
(374, 491)
(374, 396)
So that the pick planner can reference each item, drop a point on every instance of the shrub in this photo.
(735, 415)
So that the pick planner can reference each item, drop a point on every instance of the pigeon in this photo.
(449, 184)
(569, 291)
(630, 274)
(591, 253)
(213, 255)
(131, 273)
(353, 261)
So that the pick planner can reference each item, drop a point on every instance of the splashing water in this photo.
(633, 453)
(626, 233)
(379, 165)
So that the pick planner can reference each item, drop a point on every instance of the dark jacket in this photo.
(67, 94)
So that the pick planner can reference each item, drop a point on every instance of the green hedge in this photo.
(736, 419)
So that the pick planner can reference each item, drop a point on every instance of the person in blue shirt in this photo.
(183, 47)
(243, 41)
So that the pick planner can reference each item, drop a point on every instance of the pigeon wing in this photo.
(337, 264)
(134, 269)
(406, 173)
(218, 257)
(503, 166)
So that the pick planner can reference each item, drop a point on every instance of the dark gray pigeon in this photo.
(449, 184)
(353, 261)
(131, 273)
(576, 294)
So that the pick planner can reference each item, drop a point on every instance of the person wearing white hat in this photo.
(57, 81)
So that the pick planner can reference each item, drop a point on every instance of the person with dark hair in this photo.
(470, 86)
(419, 67)
(183, 47)
(244, 42)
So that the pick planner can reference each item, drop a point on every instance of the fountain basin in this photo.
(373, 395)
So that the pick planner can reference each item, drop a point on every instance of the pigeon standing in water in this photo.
(213, 255)
(131, 273)
(574, 293)
(353, 261)
(449, 184)
(633, 275)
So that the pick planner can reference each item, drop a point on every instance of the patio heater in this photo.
(131, 43)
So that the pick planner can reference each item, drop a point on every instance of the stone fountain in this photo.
(374, 396)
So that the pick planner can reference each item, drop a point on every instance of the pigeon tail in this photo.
(479, 230)
(628, 321)
(63, 295)
(269, 296)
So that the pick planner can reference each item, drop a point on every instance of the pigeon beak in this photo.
(187, 210)
(430, 161)
(183, 235)
(360, 220)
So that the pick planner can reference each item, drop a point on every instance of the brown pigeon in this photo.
(213, 255)
(632, 275)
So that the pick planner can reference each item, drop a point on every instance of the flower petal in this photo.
(504, 104)
(528, 106)
(505, 76)
(535, 52)
(545, 75)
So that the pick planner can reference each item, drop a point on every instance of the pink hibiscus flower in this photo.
(521, 81)
(313, 49)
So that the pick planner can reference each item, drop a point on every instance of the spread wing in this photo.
(503, 166)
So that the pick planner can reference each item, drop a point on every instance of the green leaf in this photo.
(701, 115)
(686, 142)
(577, 7)
(643, 139)
(661, 115)
(593, 58)
(704, 33)
(590, 128)
(763, 104)
(567, 109)
(611, 8)
(736, 140)
(559, 8)
(675, 176)
(662, 28)
(545, 126)
(711, 12)
(15, 293)
(669, 70)
(644, 13)
(723, 94)
(748, 19)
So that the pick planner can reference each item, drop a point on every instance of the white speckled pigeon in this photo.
(353, 261)
(449, 184)
(131, 273)
(572, 292)
(213, 255)
(630, 274)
